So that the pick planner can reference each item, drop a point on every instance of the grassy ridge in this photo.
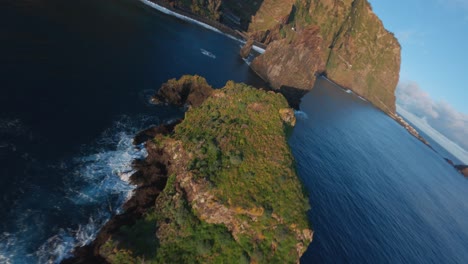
(233, 153)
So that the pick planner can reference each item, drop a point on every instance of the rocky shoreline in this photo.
(171, 159)
(236, 33)
(151, 173)
(301, 47)
(150, 179)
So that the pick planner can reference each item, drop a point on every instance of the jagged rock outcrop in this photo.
(292, 63)
(356, 51)
(189, 90)
(245, 50)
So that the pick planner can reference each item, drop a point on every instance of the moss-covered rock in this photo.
(232, 196)
(190, 90)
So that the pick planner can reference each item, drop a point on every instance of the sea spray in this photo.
(95, 186)
(301, 115)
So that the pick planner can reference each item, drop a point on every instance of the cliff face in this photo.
(232, 194)
(206, 8)
(349, 43)
(356, 51)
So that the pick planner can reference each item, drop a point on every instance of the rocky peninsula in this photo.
(217, 187)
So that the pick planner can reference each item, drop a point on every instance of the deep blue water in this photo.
(75, 79)
(378, 195)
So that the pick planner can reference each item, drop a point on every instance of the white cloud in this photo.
(439, 115)
(448, 144)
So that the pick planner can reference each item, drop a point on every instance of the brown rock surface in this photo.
(189, 90)
(463, 169)
(291, 63)
(356, 51)
(245, 51)
(465, 172)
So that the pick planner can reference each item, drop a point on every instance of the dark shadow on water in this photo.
(293, 95)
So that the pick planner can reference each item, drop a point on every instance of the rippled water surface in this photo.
(378, 195)
(76, 77)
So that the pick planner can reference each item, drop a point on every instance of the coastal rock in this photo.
(189, 90)
(292, 65)
(463, 169)
(245, 50)
(218, 204)
(287, 115)
(152, 132)
(465, 172)
(150, 178)
(355, 50)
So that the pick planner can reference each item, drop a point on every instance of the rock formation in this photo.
(218, 187)
(355, 50)
(245, 50)
(188, 90)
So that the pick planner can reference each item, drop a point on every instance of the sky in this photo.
(434, 70)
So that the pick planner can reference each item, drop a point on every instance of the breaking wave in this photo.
(301, 115)
(95, 185)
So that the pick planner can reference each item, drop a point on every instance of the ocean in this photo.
(76, 79)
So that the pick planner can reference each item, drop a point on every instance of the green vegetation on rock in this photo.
(355, 49)
(233, 195)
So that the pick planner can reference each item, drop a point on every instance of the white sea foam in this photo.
(301, 115)
(99, 176)
(207, 53)
(185, 18)
(96, 181)
(191, 20)
(258, 49)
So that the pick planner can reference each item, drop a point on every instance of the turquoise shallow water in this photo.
(76, 78)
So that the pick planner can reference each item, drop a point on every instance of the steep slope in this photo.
(232, 193)
(356, 51)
